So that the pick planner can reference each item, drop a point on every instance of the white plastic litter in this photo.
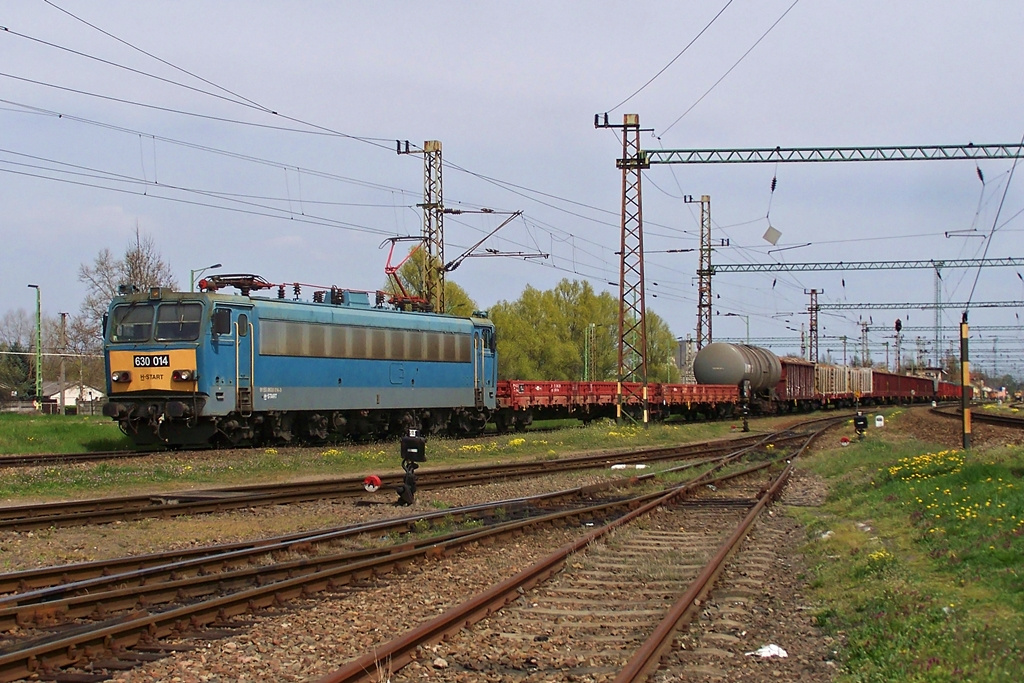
(769, 651)
(638, 466)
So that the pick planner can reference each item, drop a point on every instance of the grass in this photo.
(24, 434)
(916, 559)
(181, 470)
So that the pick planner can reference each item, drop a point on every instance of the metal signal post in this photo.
(965, 384)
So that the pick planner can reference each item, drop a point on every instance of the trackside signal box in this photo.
(414, 448)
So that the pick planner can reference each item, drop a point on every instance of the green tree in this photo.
(661, 351)
(16, 376)
(542, 335)
(17, 362)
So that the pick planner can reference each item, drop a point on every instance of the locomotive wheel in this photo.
(316, 427)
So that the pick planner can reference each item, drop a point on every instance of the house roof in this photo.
(51, 388)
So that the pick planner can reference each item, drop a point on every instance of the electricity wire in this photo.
(673, 60)
(730, 70)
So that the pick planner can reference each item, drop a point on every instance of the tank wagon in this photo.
(719, 363)
(793, 384)
(197, 368)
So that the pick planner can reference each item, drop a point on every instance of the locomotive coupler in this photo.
(413, 453)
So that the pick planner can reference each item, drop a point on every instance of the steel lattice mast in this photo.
(433, 223)
(866, 265)
(704, 273)
(920, 305)
(819, 154)
(632, 303)
(812, 310)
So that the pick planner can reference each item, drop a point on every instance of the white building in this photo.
(73, 393)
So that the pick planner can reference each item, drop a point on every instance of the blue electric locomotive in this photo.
(197, 368)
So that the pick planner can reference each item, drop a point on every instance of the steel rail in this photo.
(982, 416)
(50, 653)
(128, 508)
(400, 651)
(33, 586)
(39, 585)
(648, 656)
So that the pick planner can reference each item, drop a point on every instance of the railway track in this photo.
(614, 613)
(44, 459)
(983, 416)
(118, 620)
(204, 501)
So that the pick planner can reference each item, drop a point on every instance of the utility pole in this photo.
(433, 222)
(63, 353)
(39, 346)
(965, 384)
(938, 313)
(704, 273)
(812, 311)
(864, 357)
(632, 306)
(899, 342)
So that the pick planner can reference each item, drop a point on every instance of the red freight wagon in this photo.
(797, 383)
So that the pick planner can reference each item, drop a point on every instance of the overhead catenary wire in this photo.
(674, 59)
(992, 231)
(730, 69)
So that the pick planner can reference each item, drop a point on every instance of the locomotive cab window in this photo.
(131, 323)
(222, 321)
(243, 325)
(178, 321)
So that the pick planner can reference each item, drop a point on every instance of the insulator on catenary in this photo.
(981, 176)
(774, 181)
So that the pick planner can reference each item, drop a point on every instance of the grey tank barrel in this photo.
(721, 363)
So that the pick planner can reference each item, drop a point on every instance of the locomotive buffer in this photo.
(414, 451)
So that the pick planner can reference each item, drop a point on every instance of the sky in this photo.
(262, 136)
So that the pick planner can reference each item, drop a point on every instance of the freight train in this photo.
(213, 368)
(773, 384)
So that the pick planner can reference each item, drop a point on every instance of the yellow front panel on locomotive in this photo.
(151, 370)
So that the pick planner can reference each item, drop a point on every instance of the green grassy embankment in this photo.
(917, 559)
(34, 433)
(189, 469)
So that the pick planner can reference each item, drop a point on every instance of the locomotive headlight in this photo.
(121, 376)
(183, 375)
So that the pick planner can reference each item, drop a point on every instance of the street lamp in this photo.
(746, 319)
(200, 271)
(39, 345)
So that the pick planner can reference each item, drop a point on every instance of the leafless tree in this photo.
(17, 327)
(141, 266)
